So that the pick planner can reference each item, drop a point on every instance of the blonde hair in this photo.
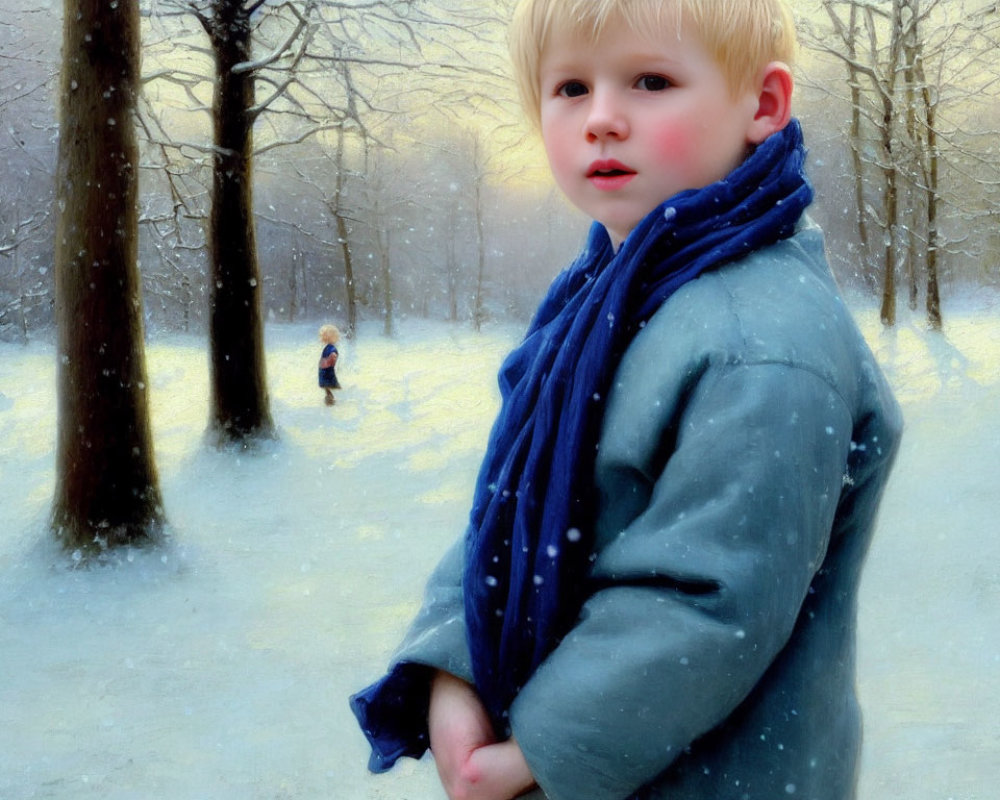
(329, 333)
(743, 36)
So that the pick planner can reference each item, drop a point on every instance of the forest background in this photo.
(391, 178)
(393, 175)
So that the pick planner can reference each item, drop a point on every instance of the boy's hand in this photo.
(470, 763)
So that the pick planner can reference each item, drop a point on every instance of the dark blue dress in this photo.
(327, 375)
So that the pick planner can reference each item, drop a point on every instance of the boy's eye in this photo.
(652, 83)
(572, 89)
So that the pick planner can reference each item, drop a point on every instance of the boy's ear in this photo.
(774, 103)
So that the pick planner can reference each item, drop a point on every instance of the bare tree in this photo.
(329, 70)
(22, 290)
(29, 75)
(106, 489)
(902, 58)
(240, 402)
(479, 304)
(342, 218)
(921, 126)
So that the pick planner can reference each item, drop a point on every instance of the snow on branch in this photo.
(278, 52)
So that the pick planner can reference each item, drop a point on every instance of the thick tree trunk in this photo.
(240, 403)
(106, 485)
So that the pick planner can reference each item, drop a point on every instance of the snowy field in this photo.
(220, 666)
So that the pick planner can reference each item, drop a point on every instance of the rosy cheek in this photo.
(677, 144)
(560, 155)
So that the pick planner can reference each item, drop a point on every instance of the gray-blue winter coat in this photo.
(746, 444)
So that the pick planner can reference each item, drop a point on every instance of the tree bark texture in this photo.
(106, 484)
(240, 403)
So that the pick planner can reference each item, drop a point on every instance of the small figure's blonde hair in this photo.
(329, 333)
(743, 36)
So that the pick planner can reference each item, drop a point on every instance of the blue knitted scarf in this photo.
(529, 541)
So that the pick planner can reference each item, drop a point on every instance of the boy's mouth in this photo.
(608, 174)
(608, 169)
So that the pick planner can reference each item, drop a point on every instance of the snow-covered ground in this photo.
(220, 666)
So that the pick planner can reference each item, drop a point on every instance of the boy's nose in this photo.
(606, 118)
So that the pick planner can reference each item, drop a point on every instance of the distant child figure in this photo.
(656, 594)
(328, 360)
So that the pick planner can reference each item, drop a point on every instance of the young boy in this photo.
(656, 594)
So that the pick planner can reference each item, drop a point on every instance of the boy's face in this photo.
(629, 121)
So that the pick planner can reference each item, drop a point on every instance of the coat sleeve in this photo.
(718, 490)
(392, 712)
(437, 636)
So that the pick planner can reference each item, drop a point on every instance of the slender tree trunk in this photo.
(915, 137)
(909, 242)
(891, 209)
(106, 484)
(343, 238)
(930, 162)
(349, 286)
(890, 169)
(23, 293)
(864, 240)
(240, 403)
(384, 244)
(479, 311)
(304, 278)
(188, 302)
(451, 266)
(293, 287)
(853, 79)
(934, 317)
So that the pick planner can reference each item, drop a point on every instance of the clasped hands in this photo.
(472, 765)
